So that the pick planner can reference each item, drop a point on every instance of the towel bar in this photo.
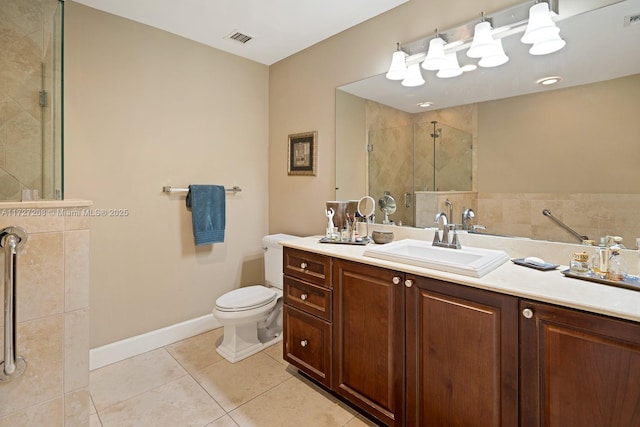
(170, 189)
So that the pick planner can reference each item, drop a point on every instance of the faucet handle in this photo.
(475, 228)
(455, 243)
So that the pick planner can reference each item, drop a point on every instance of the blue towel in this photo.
(207, 205)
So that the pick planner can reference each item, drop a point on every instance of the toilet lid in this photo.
(246, 298)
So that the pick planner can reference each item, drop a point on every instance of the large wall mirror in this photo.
(496, 141)
(31, 100)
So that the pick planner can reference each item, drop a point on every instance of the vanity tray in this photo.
(629, 282)
(545, 267)
(339, 242)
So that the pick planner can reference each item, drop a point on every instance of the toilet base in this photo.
(242, 341)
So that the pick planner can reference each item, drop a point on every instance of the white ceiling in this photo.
(279, 28)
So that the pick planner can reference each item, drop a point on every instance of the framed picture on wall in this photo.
(301, 159)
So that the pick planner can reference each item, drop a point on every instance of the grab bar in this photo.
(547, 212)
(11, 239)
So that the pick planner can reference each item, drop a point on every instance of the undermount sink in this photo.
(468, 261)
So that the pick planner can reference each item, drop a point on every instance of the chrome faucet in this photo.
(444, 242)
(467, 217)
(448, 203)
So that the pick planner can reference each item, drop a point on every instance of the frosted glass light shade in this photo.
(435, 55)
(540, 26)
(482, 44)
(550, 45)
(398, 68)
(414, 76)
(452, 67)
(495, 60)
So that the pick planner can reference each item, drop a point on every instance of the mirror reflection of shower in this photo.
(400, 160)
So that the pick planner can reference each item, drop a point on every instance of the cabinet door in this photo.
(462, 355)
(307, 344)
(368, 315)
(578, 369)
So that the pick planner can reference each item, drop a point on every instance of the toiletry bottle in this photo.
(579, 263)
(617, 267)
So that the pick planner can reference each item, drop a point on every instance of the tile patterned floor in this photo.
(189, 384)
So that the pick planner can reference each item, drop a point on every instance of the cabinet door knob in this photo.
(396, 280)
(303, 265)
(408, 283)
(304, 343)
(527, 313)
(304, 297)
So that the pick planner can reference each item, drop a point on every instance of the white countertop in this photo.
(545, 286)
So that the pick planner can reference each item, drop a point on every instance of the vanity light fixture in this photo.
(451, 68)
(398, 69)
(483, 44)
(483, 41)
(436, 58)
(496, 58)
(547, 81)
(541, 31)
(413, 77)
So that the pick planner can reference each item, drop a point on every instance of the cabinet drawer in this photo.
(310, 298)
(307, 344)
(307, 266)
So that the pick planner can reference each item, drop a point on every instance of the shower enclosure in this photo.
(429, 156)
(31, 98)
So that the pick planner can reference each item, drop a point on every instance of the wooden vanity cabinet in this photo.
(577, 369)
(307, 313)
(368, 347)
(414, 351)
(462, 355)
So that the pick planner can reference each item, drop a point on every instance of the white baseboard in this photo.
(120, 350)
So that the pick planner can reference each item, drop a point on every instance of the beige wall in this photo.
(302, 98)
(581, 139)
(352, 160)
(145, 109)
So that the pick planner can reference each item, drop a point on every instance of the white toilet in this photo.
(252, 316)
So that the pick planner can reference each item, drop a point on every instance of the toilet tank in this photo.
(273, 258)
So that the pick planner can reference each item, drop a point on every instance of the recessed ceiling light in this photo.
(425, 104)
(468, 67)
(549, 80)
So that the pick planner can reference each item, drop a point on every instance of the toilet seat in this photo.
(248, 298)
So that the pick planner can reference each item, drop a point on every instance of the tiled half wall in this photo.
(52, 315)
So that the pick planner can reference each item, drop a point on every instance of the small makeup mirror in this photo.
(388, 206)
(366, 209)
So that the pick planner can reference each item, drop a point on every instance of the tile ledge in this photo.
(46, 204)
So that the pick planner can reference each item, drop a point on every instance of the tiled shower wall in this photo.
(520, 214)
(592, 214)
(52, 316)
(26, 32)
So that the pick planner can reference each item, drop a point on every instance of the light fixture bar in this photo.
(505, 22)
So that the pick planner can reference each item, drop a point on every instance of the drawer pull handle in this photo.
(304, 297)
(303, 265)
(304, 343)
(396, 280)
(408, 283)
(527, 313)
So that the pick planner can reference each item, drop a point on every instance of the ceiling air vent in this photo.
(632, 19)
(239, 37)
